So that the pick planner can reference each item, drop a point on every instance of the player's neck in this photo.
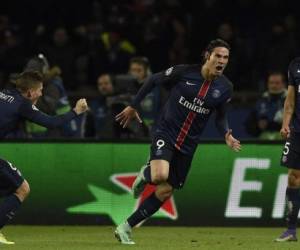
(206, 73)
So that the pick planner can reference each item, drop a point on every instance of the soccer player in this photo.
(196, 92)
(290, 130)
(16, 106)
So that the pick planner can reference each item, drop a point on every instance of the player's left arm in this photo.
(31, 113)
(166, 78)
(221, 120)
(231, 142)
(223, 127)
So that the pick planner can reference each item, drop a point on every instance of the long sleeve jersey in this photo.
(191, 102)
(15, 109)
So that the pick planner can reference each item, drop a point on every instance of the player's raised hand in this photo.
(81, 106)
(285, 132)
(127, 115)
(233, 143)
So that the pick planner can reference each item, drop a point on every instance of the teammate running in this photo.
(291, 153)
(16, 106)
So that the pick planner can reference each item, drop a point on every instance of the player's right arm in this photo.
(289, 104)
(166, 78)
(127, 115)
(31, 113)
(288, 111)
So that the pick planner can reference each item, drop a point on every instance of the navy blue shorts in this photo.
(10, 178)
(180, 163)
(291, 152)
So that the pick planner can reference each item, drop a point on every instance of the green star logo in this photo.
(120, 206)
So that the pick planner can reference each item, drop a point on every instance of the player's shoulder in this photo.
(20, 101)
(9, 91)
(294, 64)
(181, 69)
(226, 82)
(27, 107)
(13, 94)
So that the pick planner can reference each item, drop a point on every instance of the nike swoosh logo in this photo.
(189, 83)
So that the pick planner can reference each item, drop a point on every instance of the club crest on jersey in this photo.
(216, 93)
(168, 71)
(35, 108)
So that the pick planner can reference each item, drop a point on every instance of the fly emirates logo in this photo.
(195, 106)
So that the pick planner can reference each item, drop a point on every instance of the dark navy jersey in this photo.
(294, 80)
(191, 102)
(15, 109)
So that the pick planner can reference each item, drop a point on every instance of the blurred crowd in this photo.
(107, 48)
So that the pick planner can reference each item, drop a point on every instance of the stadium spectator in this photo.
(139, 67)
(62, 52)
(266, 119)
(163, 39)
(276, 49)
(178, 52)
(118, 51)
(100, 122)
(97, 122)
(12, 53)
(53, 102)
(167, 32)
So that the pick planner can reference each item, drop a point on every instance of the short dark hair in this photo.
(276, 72)
(28, 80)
(110, 76)
(212, 45)
(37, 63)
(140, 60)
(216, 43)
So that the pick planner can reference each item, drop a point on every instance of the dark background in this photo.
(264, 36)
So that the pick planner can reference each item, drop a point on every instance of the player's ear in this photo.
(29, 94)
(206, 55)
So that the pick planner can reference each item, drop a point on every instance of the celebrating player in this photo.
(196, 92)
(16, 106)
(290, 131)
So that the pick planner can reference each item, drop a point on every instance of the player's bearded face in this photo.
(218, 60)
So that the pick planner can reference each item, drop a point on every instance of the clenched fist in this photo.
(285, 132)
(81, 106)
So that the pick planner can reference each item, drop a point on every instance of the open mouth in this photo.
(219, 68)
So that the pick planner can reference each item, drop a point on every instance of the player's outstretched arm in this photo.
(127, 115)
(231, 142)
(81, 106)
(31, 113)
(166, 78)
